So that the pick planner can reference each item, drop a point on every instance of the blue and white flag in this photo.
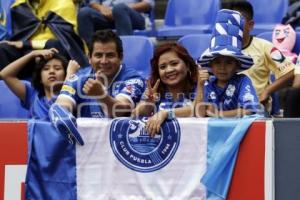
(120, 161)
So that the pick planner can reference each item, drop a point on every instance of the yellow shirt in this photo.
(66, 9)
(264, 64)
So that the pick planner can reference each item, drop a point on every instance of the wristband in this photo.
(171, 114)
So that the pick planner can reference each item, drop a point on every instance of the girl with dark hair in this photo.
(47, 80)
(172, 84)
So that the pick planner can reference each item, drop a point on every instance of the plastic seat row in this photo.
(198, 16)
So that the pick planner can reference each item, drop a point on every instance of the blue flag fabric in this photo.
(224, 137)
(51, 171)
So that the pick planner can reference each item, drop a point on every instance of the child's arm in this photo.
(10, 72)
(200, 107)
(72, 68)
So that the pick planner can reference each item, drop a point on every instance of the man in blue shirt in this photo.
(123, 15)
(106, 89)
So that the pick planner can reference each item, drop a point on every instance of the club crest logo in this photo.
(135, 149)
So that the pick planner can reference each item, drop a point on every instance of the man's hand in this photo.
(94, 88)
(107, 12)
(264, 97)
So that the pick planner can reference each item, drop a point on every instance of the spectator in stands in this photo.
(266, 59)
(227, 93)
(42, 24)
(107, 88)
(49, 74)
(123, 15)
(172, 85)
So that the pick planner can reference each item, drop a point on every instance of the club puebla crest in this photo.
(135, 149)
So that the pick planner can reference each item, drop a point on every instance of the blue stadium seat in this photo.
(267, 14)
(196, 44)
(138, 51)
(150, 32)
(5, 19)
(10, 104)
(188, 17)
(268, 36)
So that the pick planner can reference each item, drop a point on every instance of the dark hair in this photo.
(105, 36)
(183, 54)
(244, 7)
(36, 77)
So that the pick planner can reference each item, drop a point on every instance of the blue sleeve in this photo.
(206, 92)
(70, 86)
(29, 96)
(133, 89)
(247, 95)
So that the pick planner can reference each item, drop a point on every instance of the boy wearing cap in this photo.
(226, 94)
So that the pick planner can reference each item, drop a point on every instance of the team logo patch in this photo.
(135, 149)
(276, 55)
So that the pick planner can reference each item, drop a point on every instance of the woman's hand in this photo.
(154, 123)
(151, 93)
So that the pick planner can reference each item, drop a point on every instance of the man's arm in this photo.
(296, 83)
(106, 11)
(142, 6)
(113, 107)
(276, 85)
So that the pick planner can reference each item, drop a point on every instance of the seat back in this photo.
(138, 51)
(266, 11)
(196, 44)
(150, 27)
(5, 19)
(10, 106)
(191, 12)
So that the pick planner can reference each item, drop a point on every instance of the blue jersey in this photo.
(238, 93)
(167, 102)
(127, 82)
(37, 105)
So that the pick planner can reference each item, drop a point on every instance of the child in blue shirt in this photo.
(226, 94)
(49, 74)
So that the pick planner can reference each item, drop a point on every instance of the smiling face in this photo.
(105, 59)
(52, 73)
(172, 69)
(224, 67)
(284, 37)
